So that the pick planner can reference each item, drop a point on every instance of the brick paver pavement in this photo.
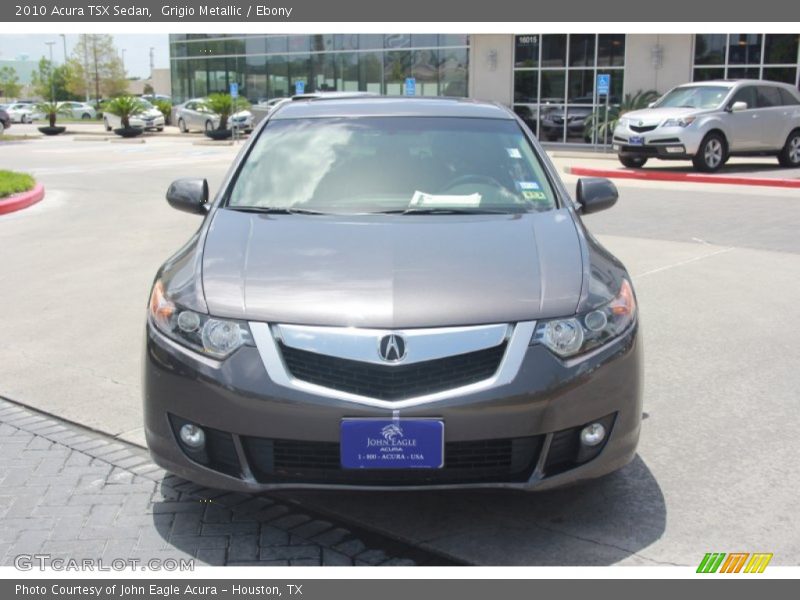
(73, 494)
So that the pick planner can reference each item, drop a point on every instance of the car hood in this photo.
(391, 271)
(653, 116)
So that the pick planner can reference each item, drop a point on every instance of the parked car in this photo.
(79, 110)
(22, 112)
(262, 109)
(5, 120)
(269, 104)
(150, 119)
(552, 126)
(194, 115)
(153, 97)
(392, 293)
(711, 121)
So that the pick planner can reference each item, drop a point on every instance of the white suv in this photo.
(710, 121)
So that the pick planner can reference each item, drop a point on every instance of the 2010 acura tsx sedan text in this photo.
(392, 293)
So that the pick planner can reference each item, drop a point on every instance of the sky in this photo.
(137, 49)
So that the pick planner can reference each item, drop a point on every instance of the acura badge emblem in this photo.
(392, 348)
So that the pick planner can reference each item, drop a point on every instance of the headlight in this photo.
(622, 122)
(679, 122)
(211, 336)
(581, 333)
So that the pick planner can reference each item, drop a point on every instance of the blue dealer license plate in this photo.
(636, 140)
(392, 444)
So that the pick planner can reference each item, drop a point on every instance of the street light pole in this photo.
(123, 60)
(86, 64)
(152, 62)
(64, 39)
(52, 82)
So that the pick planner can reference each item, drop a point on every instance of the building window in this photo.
(270, 66)
(554, 81)
(747, 56)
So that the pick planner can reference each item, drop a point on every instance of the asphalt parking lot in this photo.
(715, 268)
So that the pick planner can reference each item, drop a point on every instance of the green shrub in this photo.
(12, 182)
(165, 108)
(603, 126)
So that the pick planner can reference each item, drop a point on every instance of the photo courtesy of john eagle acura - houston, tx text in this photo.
(392, 293)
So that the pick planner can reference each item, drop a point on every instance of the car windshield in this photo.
(145, 104)
(393, 164)
(697, 96)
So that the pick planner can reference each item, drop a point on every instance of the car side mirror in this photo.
(651, 104)
(189, 195)
(738, 106)
(595, 194)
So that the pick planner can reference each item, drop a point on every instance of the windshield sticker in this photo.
(514, 153)
(528, 185)
(427, 200)
(528, 195)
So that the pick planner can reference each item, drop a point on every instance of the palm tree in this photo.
(165, 107)
(52, 110)
(603, 127)
(125, 107)
(224, 105)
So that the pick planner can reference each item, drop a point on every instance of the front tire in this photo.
(209, 126)
(790, 154)
(107, 126)
(633, 162)
(86, 116)
(712, 153)
(182, 126)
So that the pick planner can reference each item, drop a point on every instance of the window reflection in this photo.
(269, 66)
(554, 81)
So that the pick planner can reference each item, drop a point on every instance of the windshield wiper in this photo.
(276, 210)
(440, 211)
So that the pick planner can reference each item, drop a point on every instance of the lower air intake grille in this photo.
(500, 460)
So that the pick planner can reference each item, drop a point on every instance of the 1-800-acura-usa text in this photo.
(392, 293)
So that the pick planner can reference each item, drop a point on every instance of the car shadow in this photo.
(739, 168)
(600, 522)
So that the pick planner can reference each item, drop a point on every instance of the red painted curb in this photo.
(684, 177)
(23, 200)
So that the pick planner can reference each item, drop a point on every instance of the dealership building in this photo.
(549, 79)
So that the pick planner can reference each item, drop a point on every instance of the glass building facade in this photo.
(554, 81)
(747, 56)
(270, 66)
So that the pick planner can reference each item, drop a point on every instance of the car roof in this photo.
(734, 82)
(389, 106)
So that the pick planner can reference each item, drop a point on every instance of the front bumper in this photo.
(661, 142)
(149, 124)
(250, 417)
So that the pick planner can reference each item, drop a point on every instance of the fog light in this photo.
(193, 436)
(675, 149)
(593, 434)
